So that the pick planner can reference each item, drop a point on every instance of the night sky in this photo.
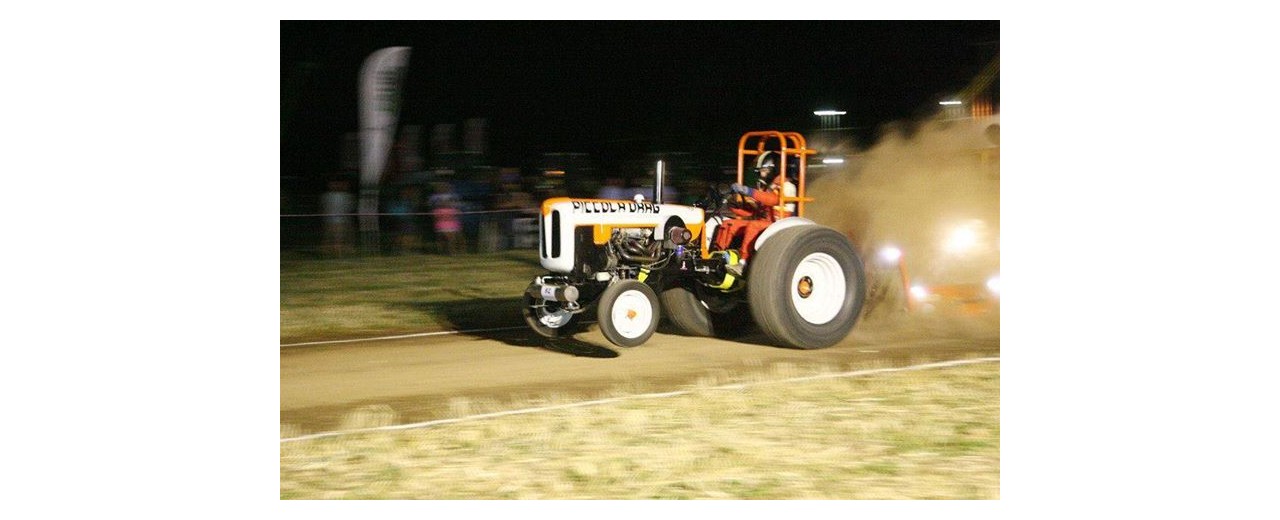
(618, 88)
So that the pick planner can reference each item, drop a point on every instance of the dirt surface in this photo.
(417, 377)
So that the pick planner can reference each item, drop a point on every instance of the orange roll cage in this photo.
(789, 144)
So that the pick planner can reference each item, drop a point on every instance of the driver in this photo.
(772, 187)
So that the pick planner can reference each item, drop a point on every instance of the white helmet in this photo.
(766, 161)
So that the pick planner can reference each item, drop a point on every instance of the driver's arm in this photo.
(766, 197)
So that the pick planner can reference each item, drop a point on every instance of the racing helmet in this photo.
(766, 165)
(767, 168)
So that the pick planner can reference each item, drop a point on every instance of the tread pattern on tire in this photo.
(769, 284)
(683, 309)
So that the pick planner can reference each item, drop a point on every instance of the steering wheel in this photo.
(715, 202)
(719, 200)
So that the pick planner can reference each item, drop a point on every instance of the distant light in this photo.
(554, 172)
(828, 112)
(961, 239)
(833, 160)
(890, 254)
(993, 284)
(950, 103)
(918, 292)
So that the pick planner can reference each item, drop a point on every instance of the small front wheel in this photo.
(548, 318)
(628, 313)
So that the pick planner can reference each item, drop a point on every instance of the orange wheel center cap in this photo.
(631, 314)
(805, 287)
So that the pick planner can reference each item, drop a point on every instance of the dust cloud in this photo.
(932, 192)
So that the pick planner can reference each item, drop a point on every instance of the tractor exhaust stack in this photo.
(657, 182)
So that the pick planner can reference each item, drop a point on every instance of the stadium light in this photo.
(919, 292)
(891, 254)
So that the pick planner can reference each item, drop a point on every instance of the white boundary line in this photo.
(418, 335)
(469, 331)
(581, 404)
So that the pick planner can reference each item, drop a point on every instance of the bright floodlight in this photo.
(890, 254)
(833, 160)
(951, 102)
(828, 112)
(918, 292)
(961, 239)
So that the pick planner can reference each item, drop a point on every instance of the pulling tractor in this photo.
(739, 254)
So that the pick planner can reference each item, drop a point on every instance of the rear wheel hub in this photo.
(805, 287)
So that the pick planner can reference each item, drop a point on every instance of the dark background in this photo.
(617, 90)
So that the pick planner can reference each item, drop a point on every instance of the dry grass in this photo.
(331, 299)
(931, 434)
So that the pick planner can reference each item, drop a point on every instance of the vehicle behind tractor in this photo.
(739, 254)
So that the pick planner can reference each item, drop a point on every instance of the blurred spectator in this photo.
(504, 202)
(408, 238)
(613, 189)
(524, 227)
(521, 200)
(493, 226)
(338, 204)
(440, 192)
(448, 221)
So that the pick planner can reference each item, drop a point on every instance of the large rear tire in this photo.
(628, 313)
(806, 287)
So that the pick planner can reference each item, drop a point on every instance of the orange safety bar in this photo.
(797, 148)
(906, 281)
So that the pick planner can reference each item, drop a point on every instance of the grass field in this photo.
(928, 434)
(340, 298)
(911, 435)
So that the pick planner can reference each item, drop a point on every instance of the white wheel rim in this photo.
(631, 314)
(554, 319)
(818, 288)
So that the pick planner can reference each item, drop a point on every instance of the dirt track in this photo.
(418, 376)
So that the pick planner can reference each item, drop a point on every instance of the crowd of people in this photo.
(443, 217)
(452, 217)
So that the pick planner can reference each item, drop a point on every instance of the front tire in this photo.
(806, 287)
(628, 313)
(549, 318)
